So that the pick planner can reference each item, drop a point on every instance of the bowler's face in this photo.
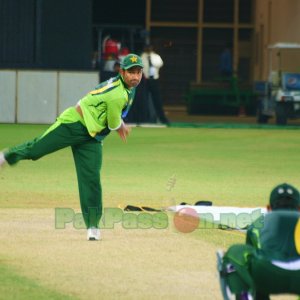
(132, 77)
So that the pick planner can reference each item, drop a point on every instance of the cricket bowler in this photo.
(83, 127)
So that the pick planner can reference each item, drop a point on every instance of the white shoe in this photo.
(93, 234)
(2, 159)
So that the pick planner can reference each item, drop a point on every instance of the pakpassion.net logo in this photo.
(185, 220)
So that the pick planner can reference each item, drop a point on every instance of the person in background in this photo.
(226, 67)
(152, 63)
(117, 67)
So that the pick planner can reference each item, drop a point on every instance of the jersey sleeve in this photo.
(114, 112)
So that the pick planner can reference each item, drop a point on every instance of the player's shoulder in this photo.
(281, 220)
(111, 81)
(283, 214)
(106, 86)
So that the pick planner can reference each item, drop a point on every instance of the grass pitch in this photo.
(157, 167)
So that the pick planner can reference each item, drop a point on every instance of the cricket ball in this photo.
(186, 220)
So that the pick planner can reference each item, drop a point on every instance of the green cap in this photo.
(285, 196)
(131, 60)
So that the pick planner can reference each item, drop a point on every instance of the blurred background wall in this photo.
(189, 35)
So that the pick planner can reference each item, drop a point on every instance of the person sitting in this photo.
(269, 262)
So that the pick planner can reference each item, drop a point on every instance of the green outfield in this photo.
(158, 167)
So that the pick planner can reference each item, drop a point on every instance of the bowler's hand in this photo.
(123, 131)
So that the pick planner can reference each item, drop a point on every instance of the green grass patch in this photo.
(14, 286)
(156, 167)
(226, 166)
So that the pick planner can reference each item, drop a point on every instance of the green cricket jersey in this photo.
(279, 237)
(104, 107)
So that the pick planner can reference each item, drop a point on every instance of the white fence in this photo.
(28, 96)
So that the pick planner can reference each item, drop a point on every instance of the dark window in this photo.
(218, 11)
(245, 34)
(131, 12)
(245, 11)
(245, 54)
(177, 47)
(174, 10)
